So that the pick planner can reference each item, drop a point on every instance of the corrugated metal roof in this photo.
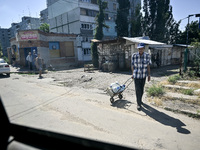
(183, 45)
(142, 40)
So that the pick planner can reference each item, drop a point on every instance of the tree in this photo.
(100, 24)
(196, 60)
(174, 33)
(158, 20)
(136, 25)
(44, 27)
(193, 33)
(122, 20)
(145, 19)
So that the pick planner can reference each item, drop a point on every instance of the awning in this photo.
(95, 40)
(183, 45)
(142, 40)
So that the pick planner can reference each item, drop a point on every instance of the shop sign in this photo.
(28, 35)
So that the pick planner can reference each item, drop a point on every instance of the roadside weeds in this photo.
(177, 96)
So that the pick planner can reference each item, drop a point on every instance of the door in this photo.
(26, 52)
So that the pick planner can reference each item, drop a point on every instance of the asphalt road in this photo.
(88, 113)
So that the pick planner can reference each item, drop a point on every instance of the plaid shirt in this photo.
(140, 64)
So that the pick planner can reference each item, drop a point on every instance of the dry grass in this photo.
(165, 82)
(156, 101)
(194, 85)
(188, 101)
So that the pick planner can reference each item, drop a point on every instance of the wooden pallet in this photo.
(88, 67)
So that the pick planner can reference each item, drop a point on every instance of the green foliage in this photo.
(95, 58)
(158, 22)
(122, 21)
(173, 79)
(193, 33)
(155, 90)
(196, 60)
(187, 91)
(44, 27)
(100, 21)
(6, 59)
(136, 25)
(100, 24)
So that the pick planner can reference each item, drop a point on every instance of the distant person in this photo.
(34, 60)
(29, 60)
(140, 70)
(157, 60)
(13, 59)
(39, 63)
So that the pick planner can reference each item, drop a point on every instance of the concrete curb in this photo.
(186, 112)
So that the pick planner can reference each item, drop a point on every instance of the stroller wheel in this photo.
(120, 96)
(111, 99)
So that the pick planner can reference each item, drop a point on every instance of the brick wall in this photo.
(33, 43)
(60, 62)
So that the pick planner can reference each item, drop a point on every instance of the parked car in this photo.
(4, 67)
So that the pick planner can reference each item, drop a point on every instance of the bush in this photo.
(6, 59)
(173, 79)
(188, 92)
(191, 73)
(155, 90)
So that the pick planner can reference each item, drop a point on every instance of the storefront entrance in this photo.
(26, 52)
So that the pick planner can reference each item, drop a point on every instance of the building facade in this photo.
(5, 35)
(27, 23)
(57, 49)
(78, 17)
(44, 16)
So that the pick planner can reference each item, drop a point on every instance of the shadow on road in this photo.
(165, 119)
(2, 76)
(121, 104)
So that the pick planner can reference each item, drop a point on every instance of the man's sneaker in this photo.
(138, 107)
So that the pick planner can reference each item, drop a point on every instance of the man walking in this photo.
(140, 70)
(39, 63)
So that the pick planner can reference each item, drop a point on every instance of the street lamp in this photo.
(188, 27)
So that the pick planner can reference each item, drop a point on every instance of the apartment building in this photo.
(78, 17)
(44, 16)
(5, 35)
(27, 23)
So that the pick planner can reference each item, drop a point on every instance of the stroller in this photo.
(116, 89)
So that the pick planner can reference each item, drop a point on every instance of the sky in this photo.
(13, 10)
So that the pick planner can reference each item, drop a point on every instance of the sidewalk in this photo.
(22, 70)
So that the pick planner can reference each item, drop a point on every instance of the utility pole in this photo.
(188, 27)
(187, 42)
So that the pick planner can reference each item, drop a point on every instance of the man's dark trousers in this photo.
(139, 89)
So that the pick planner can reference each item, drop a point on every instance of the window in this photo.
(114, 6)
(83, 12)
(88, 1)
(94, 1)
(106, 17)
(54, 45)
(67, 49)
(86, 26)
(88, 12)
(87, 51)
(54, 49)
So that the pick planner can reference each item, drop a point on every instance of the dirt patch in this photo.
(101, 80)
